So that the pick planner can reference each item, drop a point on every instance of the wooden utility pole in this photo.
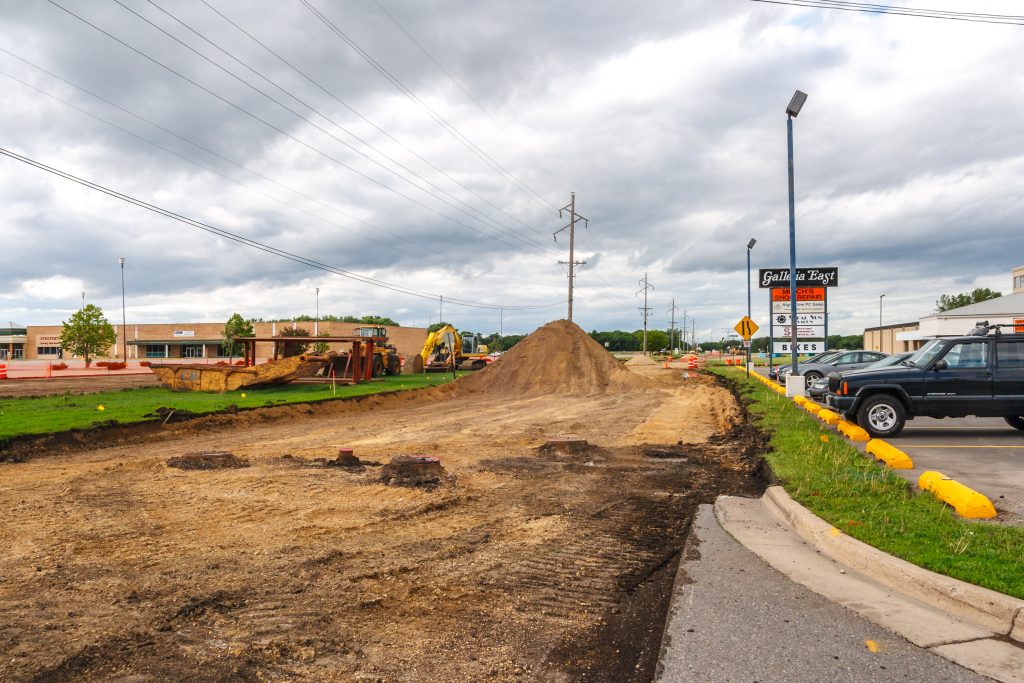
(572, 263)
(645, 309)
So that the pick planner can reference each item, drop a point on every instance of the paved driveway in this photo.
(981, 452)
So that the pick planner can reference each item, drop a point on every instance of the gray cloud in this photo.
(666, 119)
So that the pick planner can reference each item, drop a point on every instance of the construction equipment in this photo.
(370, 356)
(447, 349)
(386, 360)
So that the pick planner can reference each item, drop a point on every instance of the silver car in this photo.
(819, 387)
(848, 360)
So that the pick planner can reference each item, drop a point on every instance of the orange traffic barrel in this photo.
(3, 371)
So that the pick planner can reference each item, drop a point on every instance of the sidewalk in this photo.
(734, 618)
(791, 611)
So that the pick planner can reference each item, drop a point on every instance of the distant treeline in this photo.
(328, 318)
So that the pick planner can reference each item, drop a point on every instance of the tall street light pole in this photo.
(124, 318)
(750, 246)
(316, 321)
(880, 297)
(792, 111)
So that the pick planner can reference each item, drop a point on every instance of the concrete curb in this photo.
(997, 612)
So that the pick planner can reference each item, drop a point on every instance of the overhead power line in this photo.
(419, 182)
(376, 228)
(466, 92)
(360, 116)
(235, 237)
(276, 128)
(869, 8)
(438, 118)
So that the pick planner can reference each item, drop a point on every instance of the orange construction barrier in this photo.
(3, 371)
(49, 370)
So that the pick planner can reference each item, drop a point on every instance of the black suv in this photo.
(977, 374)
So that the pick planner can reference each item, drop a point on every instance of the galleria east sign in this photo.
(805, 277)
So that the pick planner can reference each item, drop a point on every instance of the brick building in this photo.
(181, 340)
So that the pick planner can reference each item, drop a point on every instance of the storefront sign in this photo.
(48, 340)
(805, 277)
(801, 307)
(1018, 324)
(801, 347)
(802, 294)
(183, 333)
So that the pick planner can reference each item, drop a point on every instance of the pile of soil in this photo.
(641, 360)
(558, 358)
(207, 460)
(414, 470)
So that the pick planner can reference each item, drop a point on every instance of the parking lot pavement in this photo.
(983, 453)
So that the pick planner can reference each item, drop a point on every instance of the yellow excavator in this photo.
(447, 349)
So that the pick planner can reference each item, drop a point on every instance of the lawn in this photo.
(48, 414)
(824, 473)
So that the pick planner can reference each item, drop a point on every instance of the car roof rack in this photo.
(983, 327)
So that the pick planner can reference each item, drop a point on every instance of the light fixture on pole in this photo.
(316, 322)
(792, 111)
(124, 318)
(750, 245)
(880, 297)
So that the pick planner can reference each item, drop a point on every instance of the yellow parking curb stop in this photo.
(852, 431)
(890, 455)
(966, 501)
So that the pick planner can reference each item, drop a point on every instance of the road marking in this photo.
(922, 445)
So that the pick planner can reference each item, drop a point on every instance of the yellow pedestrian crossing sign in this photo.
(746, 327)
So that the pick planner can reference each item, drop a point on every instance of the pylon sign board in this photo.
(801, 347)
(802, 294)
(746, 327)
(801, 307)
(805, 277)
(803, 331)
(1018, 324)
(801, 318)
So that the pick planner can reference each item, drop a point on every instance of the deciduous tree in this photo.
(236, 326)
(87, 333)
(948, 302)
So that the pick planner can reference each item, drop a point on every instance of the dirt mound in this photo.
(414, 470)
(558, 358)
(207, 460)
(640, 360)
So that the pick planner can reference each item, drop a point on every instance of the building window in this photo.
(192, 351)
(1018, 282)
(48, 351)
(156, 351)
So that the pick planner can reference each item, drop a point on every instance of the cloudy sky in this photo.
(425, 149)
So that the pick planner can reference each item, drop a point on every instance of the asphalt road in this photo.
(983, 453)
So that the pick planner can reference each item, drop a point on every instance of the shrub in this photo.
(102, 363)
(144, 363)
(239, 362)
(116, 366)
(59, 366)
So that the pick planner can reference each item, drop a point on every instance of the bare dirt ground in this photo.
(76, 385)
(529, 566)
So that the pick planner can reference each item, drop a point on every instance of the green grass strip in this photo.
(869, 502)
(48, 414)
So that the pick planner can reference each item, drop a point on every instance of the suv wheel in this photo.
(1015, 421)
(882, 416)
